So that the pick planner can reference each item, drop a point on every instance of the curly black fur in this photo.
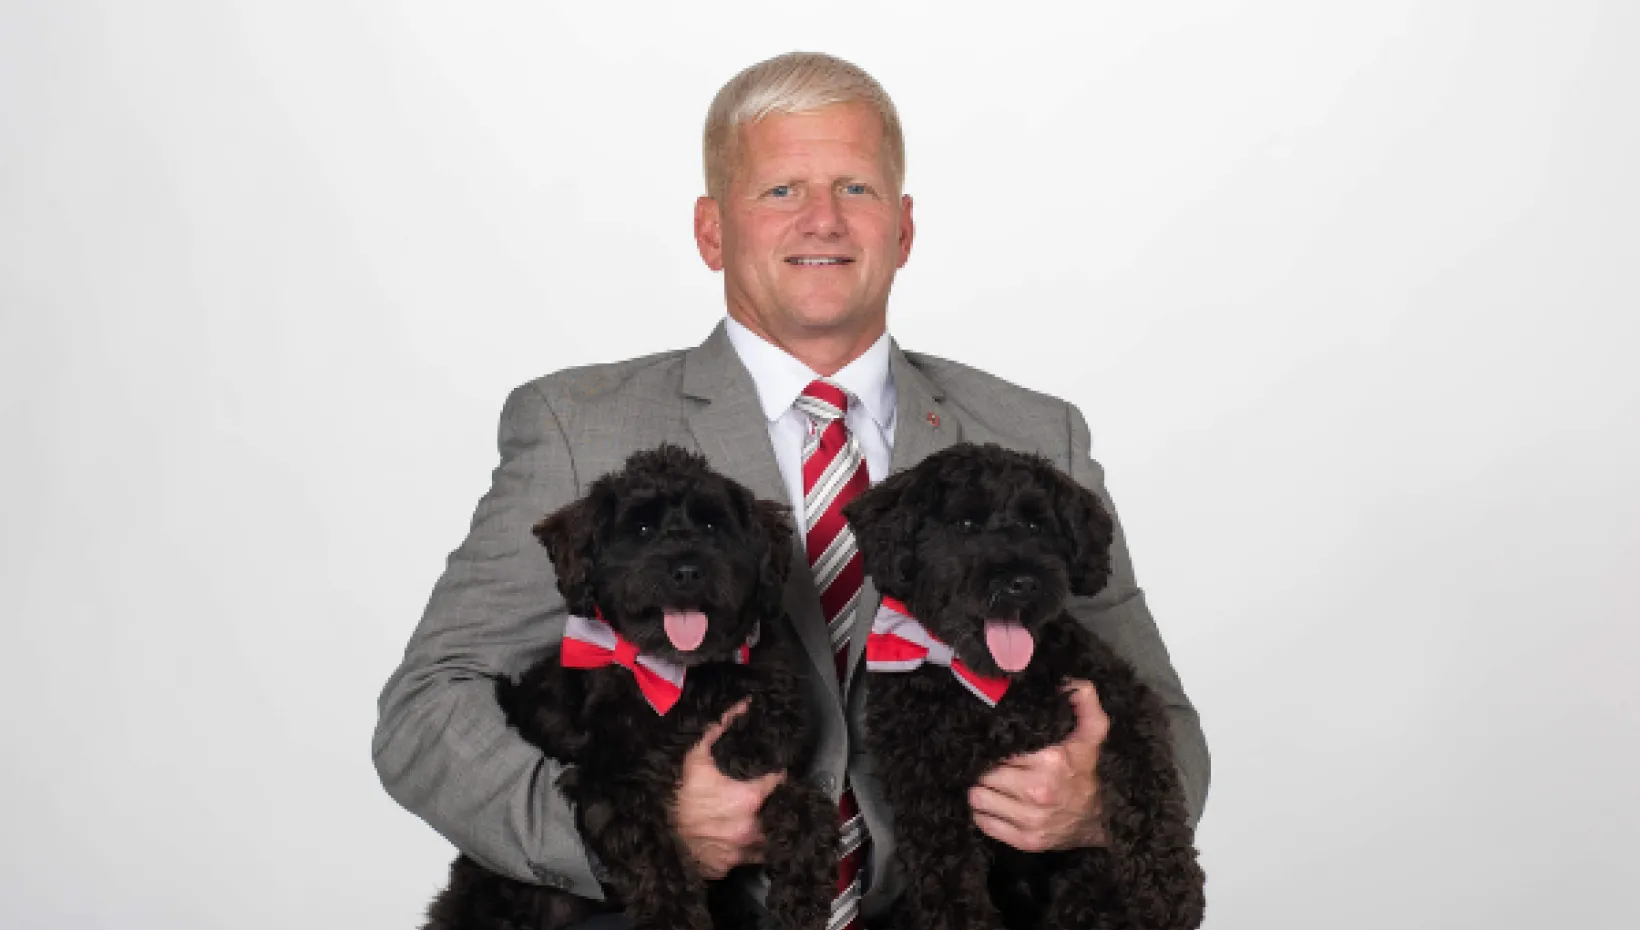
(977, 532)
(665, 532)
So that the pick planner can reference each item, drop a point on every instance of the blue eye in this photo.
(780, 190)
(854, 188)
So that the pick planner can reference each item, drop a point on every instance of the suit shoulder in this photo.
(965, 384)
(585, 384)
(993, 409)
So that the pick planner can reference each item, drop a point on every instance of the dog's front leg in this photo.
(1082, 895)
(800, 854)
(770, 736)
(946, 867)
(1148, 871)
(1152, 884)
(631, 834)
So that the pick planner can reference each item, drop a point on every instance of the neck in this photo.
(824, 351)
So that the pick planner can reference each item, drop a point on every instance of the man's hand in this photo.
(714, 815)
(1049, 799)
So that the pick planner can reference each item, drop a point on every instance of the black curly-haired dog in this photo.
(982, 546)
(687, 568)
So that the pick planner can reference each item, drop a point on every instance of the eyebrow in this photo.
(777, 180)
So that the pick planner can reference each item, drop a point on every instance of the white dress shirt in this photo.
(780, 378)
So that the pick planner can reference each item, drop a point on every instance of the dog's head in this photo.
(679, 559)
(983, 545)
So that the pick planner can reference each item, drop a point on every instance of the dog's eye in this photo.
(968, 525)
(709, 527)
(645, 530)
(1032, 526)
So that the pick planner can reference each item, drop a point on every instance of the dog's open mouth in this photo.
(685, 628)
(1010, 643)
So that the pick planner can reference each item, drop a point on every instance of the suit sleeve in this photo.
(1118, 615)
(442, 745)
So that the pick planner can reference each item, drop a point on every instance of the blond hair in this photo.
(796, 82)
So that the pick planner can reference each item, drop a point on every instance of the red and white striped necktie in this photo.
(834, 473)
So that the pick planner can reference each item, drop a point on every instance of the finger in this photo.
(1023, 783)
(741, 853)
(1091, 722)
(1022, 815)
(1005, 832)
(743, 799)
(740, 708)
(729, 807)
(1046, 762)
(716, 728)
(714, 864)
(1024, 762)
(766, 784)
(718, 867)
(742, 838)
(714, 858)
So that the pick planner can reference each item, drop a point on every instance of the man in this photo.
(805, 217)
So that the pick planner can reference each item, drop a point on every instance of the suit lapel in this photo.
(732, 432)
(921, 428)
(728, 421)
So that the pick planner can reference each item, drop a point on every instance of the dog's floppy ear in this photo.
(771, 524)
(885, 520)
(1088, 527)
(572, 545)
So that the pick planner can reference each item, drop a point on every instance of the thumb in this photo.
(765, 784)
(716, 728)
(1091, 722)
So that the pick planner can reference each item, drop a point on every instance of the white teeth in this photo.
(817, 261)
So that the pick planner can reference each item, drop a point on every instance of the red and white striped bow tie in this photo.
(590, 642)
(898, 643)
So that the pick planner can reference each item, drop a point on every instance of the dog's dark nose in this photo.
(1022, 586)
(686, 573)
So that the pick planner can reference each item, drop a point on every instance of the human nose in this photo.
(821, 217)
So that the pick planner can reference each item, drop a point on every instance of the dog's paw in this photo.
(800, 849)
(909, 918)
(680, 912)
(747, 750)
(799, 905)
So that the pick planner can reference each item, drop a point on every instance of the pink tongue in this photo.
(1011, 645)
(685, 628)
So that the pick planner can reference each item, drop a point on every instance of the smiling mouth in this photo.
(818, 261)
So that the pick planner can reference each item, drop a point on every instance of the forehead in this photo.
(996, 483)
(671, 489)
(843, 136)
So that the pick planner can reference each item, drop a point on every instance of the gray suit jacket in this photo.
(441, 746)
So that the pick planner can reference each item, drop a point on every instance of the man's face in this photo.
(812, 228)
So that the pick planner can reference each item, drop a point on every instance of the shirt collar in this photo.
(780, 378)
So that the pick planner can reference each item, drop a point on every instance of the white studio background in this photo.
(1347, 292)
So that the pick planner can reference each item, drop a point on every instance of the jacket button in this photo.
(825, 781)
